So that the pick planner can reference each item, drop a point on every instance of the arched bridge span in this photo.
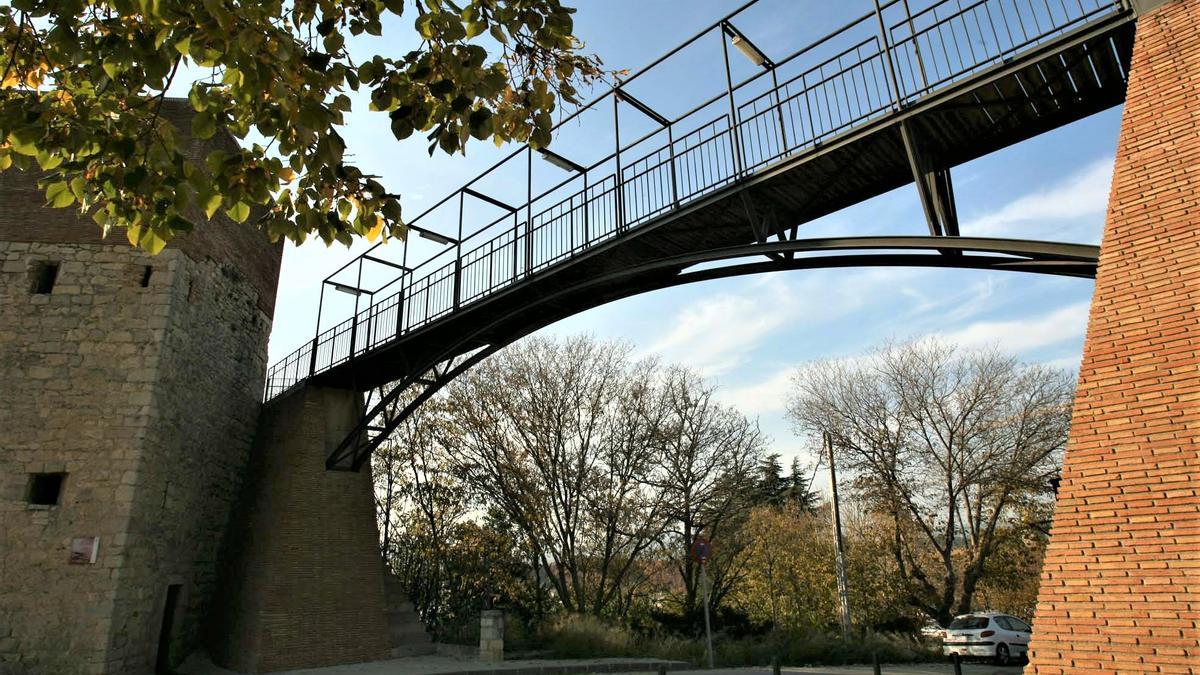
(451, 354)
(898, 95)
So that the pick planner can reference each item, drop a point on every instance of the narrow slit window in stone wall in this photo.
(45, 488)
(42, 276)
(146, 274)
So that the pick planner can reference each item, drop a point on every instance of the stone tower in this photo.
(130, 387)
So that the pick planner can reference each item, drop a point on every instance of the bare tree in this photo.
(419, 501)
(708, 463)
(554, 434)
(945, 442)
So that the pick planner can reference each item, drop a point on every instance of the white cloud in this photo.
(1083, 194)
(714, 334)
(1020, 335)
(721, 332)
(1065, 363)
(766, 396)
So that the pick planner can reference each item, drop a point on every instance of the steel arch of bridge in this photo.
(425, 380)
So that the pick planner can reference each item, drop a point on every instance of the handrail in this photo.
(830, 97)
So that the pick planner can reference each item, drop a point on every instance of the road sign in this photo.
(702, 550)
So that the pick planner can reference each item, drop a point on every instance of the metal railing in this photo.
(878, 63)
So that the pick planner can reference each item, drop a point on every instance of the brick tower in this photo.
(1120, 585)
(130, 387)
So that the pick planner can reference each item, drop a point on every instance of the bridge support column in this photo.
(1120, 587)
(302, 584)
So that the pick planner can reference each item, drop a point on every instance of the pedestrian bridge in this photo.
(899, 94)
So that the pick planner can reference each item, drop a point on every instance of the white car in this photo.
(993, 635)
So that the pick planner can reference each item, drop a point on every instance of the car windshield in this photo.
(969, 623)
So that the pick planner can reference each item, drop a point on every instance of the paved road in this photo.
(923, 669)
(457, 665)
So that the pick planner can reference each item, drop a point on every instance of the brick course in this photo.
(304, 585)
(1120, 587)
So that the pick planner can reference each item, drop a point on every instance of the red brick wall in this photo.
(1120, 587)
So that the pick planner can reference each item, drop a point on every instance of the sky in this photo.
(749, 334)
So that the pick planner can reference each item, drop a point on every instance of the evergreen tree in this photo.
(772, 487)
(799, 488)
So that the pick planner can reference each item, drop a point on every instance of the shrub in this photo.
(577, 636)
(585, 636)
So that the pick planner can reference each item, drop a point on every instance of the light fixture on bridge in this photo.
(348, 290)
(746, 47)
(432, 236)
(560, 161)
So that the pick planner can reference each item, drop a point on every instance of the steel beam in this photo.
(491, 200)
(1017, 255)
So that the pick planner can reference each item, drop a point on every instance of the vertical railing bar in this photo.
(458, 254)
(312, 365)
(954, 36)
(354, 325)
(528, 209)
(779, 112)
(733, 116)
(987, 7)
(975, 60)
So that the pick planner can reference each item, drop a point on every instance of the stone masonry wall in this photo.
(147, 398)
(305, 584)
(207, 398)
(75, 366)
(1120, 587)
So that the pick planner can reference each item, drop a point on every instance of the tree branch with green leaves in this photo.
(83, 84)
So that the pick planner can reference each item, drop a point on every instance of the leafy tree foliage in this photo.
(777, 489)
(949, 445)
(83, 84)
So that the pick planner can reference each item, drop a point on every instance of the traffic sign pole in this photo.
(702, 551)
(707, 623)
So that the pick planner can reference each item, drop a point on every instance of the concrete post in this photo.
(491, 635)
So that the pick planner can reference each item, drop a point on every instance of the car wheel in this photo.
(1003, 658)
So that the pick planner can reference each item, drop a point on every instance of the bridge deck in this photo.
(776, 168)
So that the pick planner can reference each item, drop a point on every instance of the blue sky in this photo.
(749, 333)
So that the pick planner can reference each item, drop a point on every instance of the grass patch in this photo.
(589, 637)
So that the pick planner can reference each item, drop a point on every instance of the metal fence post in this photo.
(514, 254)
(620, 180)
(783, 142)
(734, 125)
(671, 154)
(312, 363)
(354, 322)
(528, 210)
(405, 282)
(458, 255)
(912, 35)
(587, 237)
(887, 54)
